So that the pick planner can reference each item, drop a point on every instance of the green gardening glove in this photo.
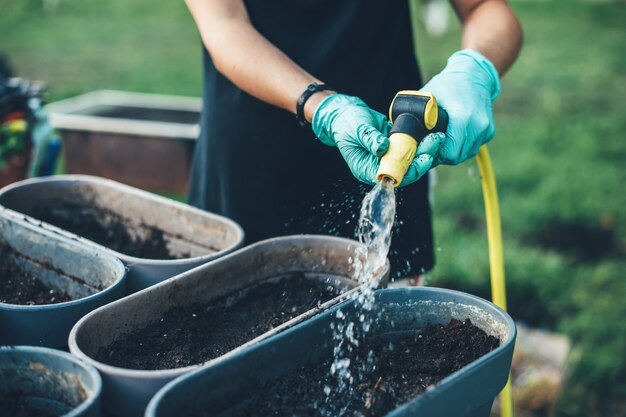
(361, 135)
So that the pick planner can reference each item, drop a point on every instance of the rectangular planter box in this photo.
(127, 391)
(225, 387)
(62, 264)
(203, 235)
(145, 140)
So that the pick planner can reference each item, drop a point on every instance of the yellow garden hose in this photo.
(496, 256)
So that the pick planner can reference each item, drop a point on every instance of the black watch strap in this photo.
(310, 90)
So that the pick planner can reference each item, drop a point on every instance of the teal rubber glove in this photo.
(466, 89)
(360, 133)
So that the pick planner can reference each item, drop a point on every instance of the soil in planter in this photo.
(402, 369)
(17, 405)
(195, 333)
(18, 286)
(108, 229)
(149, 114)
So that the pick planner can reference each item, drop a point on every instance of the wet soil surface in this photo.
(18, 286)
(198, 332)
(17, 405)
(108, 229)
(402, 370)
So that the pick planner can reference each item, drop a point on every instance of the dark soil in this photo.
(17, 405)
(106, 228)
(153, 115)
(196, 333)
(17, 286)
(401, 371)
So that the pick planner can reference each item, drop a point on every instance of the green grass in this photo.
(116, 44)
(559, 154)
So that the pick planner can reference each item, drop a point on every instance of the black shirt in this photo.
(255, 164)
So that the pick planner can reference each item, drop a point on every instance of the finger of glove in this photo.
(368, 171)
(373, 140)
(479, 135)
(362, 164)
(365, 170)
(382, 124)
(387, 128)
(451, 151)
(431, 144)
(420, 166)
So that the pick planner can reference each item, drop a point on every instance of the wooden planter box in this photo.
(144, 140)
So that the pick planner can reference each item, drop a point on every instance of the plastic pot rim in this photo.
(121, 271)
(240, 234)
(93, 373)
(174, 372)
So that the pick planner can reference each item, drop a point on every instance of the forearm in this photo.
(491, 28)
(247, 58)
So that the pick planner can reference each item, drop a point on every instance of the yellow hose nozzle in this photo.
(414, 115)
(395, 163)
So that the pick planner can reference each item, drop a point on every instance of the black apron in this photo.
(255, 164)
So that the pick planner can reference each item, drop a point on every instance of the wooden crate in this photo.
(144, 140)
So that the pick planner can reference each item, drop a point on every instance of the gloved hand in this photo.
(466, 89)
(361, 135)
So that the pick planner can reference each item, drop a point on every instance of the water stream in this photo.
(376, 220)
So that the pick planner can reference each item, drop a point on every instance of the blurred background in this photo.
(559, 156)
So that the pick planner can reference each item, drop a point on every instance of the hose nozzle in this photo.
(414, 115)
(395, 163)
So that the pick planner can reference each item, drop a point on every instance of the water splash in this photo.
(376, 220)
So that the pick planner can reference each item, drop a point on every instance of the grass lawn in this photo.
(559, 155)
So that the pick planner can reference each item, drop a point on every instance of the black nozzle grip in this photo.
(414, 126)
(408, 112)
(442, 121)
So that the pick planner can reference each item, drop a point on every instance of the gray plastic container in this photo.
(187, 230)
(128, 391)
(91, 276)
(50, 380)
(223, 387)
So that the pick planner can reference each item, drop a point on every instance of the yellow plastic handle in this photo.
(396, 161)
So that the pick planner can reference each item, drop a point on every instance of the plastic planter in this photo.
(202, 235)
(91, 276)
(128, 391)
(469, 392)
(49, 380)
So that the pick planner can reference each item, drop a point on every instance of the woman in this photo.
(261, 166)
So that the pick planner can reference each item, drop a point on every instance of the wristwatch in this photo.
(310, 90)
